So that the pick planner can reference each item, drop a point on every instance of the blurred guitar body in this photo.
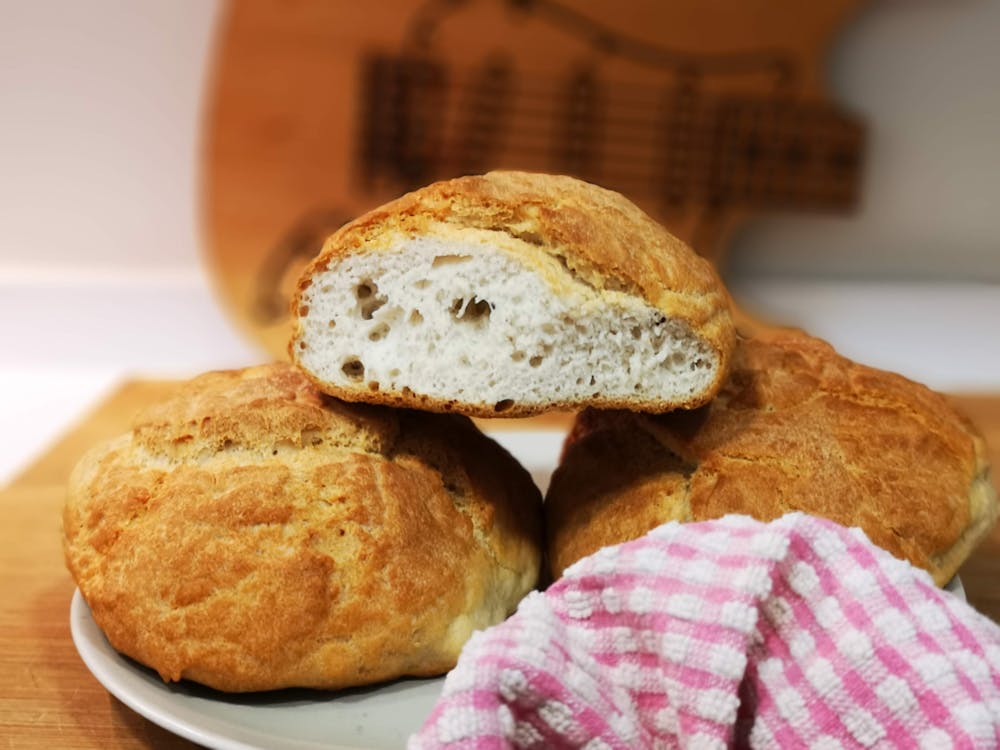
(702, 112)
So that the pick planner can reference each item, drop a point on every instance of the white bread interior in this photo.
(480, 317)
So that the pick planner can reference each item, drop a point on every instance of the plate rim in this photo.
(100, 665)
(104, 663)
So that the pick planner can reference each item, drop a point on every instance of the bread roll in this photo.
(795, 427)
(251, 534)
(512, 293)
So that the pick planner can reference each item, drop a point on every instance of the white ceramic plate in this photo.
(362, 719)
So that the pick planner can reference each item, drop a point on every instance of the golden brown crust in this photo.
(600, 237)
(795, 427)
(252, 534)
(517, 409)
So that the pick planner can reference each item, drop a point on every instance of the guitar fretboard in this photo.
(675, 147)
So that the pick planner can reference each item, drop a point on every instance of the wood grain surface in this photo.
(48, 699)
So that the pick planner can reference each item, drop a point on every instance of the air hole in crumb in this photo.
(535, 361)
(372, 385)
(445, 260)
(416, 318)
(470, 310)
(636, 332)
(354, 369)
(579, 381)
(341, 532)
(503, 405)
(302, 345)
(378, 332)
(593, 380)
(303, 310)
(421, 284)
(332, 323)
(368, 299)
(518, 356)
(394, 372)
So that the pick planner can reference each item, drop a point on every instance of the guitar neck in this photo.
(674, 146)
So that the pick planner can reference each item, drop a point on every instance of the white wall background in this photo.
(99, 116)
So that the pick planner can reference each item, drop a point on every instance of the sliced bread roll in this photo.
(796, 427)
(250, 533)
(512, 293)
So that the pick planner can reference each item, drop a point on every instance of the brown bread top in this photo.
(601, 236)
(598, 236)
(795, 427)
(252, 534)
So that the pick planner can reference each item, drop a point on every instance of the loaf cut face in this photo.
(796, 427)
(250, 533)
(512, 294)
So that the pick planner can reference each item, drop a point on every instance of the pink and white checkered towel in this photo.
(730, 633)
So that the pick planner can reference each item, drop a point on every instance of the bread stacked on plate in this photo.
(340, 520)
(512, 294)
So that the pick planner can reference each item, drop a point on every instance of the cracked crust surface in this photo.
(252, 534)
(795, 427)
(565, 230)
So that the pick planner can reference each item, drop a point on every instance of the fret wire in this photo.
(544, 85)
(658, 129)
(701, 153)
(554, 96)
(558, 116)
(553, 102)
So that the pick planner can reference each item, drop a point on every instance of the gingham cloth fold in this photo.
(730, 633)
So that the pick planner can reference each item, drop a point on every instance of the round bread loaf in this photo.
(512, 293)
(252, 534)
(796, 427)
